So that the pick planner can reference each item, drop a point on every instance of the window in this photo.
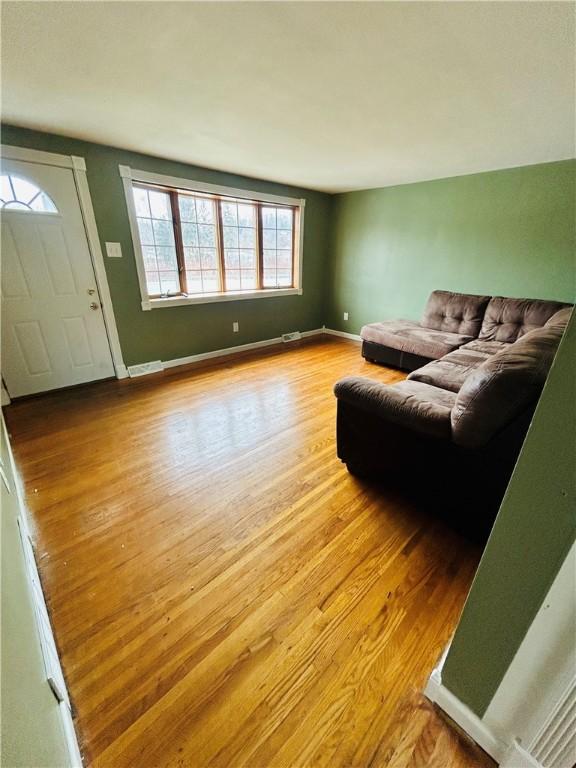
(18, 194)
(211, 243)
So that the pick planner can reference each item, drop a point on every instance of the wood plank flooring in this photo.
(223, 592)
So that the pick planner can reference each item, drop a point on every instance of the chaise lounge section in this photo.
(452, 321)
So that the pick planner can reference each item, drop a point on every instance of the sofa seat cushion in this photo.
(509, 319)
(451, 371)
(413, 338)
(489, 347)
(455, 312)
(417, 406)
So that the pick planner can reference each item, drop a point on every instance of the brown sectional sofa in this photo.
(454, 428)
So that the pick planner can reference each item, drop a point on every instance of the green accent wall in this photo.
(166, 334)
(508, 232)
(535, 528)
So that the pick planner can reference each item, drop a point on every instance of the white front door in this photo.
(53, 332)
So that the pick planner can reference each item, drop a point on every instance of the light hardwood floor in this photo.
(223, 592)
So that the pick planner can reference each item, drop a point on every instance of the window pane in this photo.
(208, 258)
(233, 280)
(43, 203)
(204, 211)
(210, 281)
(187, 208)
(248, 259)
(232, 258)
(284, 259)
(189, 234)
(269, 238)
(141, 202)
(153, 283)
(284, 218)
(5, 189)
(246, 215)
(284, 278)
(247, 237)
(169, 282)
(269, 217)
(194, 282)
(230, 237)
(192, 258)
(163, 232)
(166, 258)
(160, 204)
(145, 230)
(269, 259)
(229, 214)
(206, 236)
(284, 238)
(248, 279)
(24, 190)
(149, 254)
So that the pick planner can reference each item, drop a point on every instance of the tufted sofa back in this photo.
(504, 385)
(455, 312)
(509, 319)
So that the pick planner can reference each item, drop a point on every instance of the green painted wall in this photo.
(506, 232)
(166, 334)
(535, 528)
(32, 733)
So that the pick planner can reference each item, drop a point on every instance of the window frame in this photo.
(172, 184)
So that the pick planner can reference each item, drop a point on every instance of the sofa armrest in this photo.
(419, 407)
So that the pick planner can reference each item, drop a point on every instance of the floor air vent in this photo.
(294, 336)
(144, 368)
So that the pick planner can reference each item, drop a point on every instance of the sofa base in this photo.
(406, 361)
(461, 485)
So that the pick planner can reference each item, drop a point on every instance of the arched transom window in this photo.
(18, 194)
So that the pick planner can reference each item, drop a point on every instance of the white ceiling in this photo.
(328, 95)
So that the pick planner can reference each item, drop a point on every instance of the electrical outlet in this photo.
(345, 315)
(235, 327)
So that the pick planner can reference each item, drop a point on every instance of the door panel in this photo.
(53, 332)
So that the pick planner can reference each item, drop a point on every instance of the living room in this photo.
(288, 383)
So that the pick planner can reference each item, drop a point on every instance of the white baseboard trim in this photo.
(342, 334)
(465, 718)
(233, 350)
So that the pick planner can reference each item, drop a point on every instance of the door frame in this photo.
(78, 167)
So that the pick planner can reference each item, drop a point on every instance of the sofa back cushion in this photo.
(455, 312)
(509, 319)
(503, 387)
(560, 319)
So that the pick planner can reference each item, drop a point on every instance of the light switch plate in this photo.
(113, 251)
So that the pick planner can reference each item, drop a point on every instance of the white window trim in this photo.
(130, 175)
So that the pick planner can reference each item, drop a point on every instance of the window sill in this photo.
(180, 301)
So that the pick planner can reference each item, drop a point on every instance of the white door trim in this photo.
(78, 168)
